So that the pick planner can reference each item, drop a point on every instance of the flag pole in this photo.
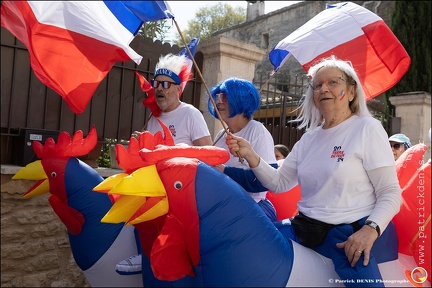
(204, 83)
(267, 82)
(201, 76)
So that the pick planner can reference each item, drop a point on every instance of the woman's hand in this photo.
(240, 147)
(359, 243)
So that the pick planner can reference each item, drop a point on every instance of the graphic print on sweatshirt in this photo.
(173, 130)
(338, 153)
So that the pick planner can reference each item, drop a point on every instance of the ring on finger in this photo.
(360, 252)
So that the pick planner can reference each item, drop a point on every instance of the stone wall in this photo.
(223, 58)
(35, 249)
(414, 111)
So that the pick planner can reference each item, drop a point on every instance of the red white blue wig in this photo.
(176, 67)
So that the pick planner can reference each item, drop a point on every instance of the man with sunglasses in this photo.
(186, 123)
(399, 143)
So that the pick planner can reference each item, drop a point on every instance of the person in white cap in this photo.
(399, 143)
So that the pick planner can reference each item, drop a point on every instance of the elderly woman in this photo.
(237, 100)
(399, 144)
(346, 171)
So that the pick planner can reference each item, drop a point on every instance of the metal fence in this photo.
(279, 103)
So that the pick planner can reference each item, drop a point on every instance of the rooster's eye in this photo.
(53, 174)
(178, 185)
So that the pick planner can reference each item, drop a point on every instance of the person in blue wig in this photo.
(237, 99)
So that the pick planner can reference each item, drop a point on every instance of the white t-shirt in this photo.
(331, 167)
(186, 124)
(262, 142)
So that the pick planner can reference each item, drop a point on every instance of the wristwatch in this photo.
(374, 226)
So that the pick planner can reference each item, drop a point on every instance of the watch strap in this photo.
(374, 226)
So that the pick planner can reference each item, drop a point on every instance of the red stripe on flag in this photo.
(71, 64)
(378, 57)
(388, 48)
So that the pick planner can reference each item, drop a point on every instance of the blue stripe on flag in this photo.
(131, 14)
(149, 10)
(277, 56)
(193, 44)
(130, 21)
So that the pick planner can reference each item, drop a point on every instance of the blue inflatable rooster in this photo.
(198, 228)
(96, 246)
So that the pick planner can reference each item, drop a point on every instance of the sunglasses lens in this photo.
(165, 84)
(221, 97)
(395, 146)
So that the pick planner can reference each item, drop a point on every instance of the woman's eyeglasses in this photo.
(396, 146)
(331, 83)
(165, 84)
(221, 97)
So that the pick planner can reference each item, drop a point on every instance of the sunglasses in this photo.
(396, 146)
(165, 84)
(221, 97)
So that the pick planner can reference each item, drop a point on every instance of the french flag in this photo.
(74, 44)
(352, 33)
(193, 44)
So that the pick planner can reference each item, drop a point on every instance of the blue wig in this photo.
(243, 97)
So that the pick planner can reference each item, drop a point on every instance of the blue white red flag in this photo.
(193, 44)
(352, 33)
(73, 44)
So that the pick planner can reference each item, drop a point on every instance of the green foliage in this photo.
(155, 30)
(104, 160)
(411, 23)
(210, 19)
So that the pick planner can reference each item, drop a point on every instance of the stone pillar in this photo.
(254, 10)
(414, 110)
(223, 58)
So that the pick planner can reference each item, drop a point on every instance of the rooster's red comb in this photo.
(65, 146)
(130, 159)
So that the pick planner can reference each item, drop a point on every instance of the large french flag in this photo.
(353, 33)
(74, 44)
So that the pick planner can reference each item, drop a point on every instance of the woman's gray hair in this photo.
(309, 115)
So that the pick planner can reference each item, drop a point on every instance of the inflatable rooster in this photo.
(96, 246)
(199, 228)
(413, 225)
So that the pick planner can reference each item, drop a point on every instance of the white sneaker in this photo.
(131, 265)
